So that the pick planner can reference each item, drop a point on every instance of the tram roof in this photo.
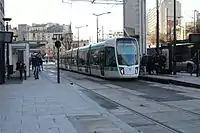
(98, 44)
(84, 47)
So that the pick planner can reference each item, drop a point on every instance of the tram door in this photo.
(102, 61)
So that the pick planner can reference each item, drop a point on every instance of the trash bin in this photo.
(10, 69)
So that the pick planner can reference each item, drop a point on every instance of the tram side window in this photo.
(85, 57)
(92, 62)
(94, 57)
(102, 56)
(110, 57)
(88, 58)
(68, 58)
(81, 58)
(74, 58)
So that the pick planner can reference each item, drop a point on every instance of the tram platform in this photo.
(43, 106)
(182, 79)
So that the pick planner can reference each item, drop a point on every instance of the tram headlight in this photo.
(122, 70)
(136, 70)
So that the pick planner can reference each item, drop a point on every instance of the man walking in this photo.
(36, 63)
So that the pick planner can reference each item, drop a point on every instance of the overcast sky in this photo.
(43, 11)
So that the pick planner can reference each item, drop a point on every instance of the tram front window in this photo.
(127, 52)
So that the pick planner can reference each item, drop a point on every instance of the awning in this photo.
(32, 44)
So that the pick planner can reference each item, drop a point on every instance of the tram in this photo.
(113, 58)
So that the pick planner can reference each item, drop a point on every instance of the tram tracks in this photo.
(173, 130)
(157, 122)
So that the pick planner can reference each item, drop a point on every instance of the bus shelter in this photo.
(20, 51)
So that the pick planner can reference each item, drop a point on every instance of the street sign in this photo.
(58, 44)
(6, 37)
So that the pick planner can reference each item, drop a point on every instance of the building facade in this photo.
(151, 21)
(114, 34)
(2, 51)
(2, 13)
(198, 23)
(45, 33)
(134, 18)
(189, 28)
(80, 43)
(23, 32)
(166, 19)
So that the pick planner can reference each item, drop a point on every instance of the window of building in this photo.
(33, 35)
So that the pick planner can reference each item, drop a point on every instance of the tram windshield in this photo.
(127, 52)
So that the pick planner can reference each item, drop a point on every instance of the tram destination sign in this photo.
(194, 38)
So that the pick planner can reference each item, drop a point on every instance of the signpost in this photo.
(58, 45)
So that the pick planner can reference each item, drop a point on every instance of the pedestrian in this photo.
(21, 68)
(37, 66)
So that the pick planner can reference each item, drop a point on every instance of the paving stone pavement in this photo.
(42, 106)
(178, 119)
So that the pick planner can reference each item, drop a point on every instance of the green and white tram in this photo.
(113, 58)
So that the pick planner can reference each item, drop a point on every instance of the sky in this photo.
(79, 13)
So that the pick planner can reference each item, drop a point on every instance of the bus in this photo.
(185, 52)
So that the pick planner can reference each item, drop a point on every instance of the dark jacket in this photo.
(20, 65)
(36, 61)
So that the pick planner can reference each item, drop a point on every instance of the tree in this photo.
(170, 35)
(69, 41)
(189, 29)
(162, 38)
(152, 38)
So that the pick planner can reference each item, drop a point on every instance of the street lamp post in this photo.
(7, 48)
(195, 11)
(174, 53)
(58, 39)
(97, 22)
(157, 27)
(79, 27)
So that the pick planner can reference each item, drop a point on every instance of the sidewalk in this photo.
(183, 79)
(43, 106)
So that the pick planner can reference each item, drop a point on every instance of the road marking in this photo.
(113, 86)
